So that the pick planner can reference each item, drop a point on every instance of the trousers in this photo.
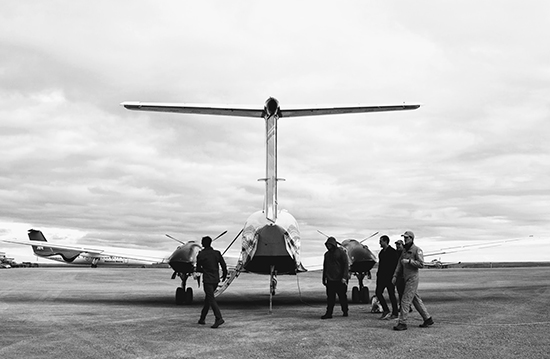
(210, 301)
(334, 288)
(380, 286)
(410, 296)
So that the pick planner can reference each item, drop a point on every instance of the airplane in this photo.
(87, 255)
(270, 237)
(437, 263)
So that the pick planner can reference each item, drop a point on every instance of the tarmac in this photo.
(131, 313)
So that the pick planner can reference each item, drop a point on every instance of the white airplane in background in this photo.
(271, 237)
(437, 263)
(87, 255)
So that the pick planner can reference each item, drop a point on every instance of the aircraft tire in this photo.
(189, 296)
(355, 295)
(364, 295)
(180, 296)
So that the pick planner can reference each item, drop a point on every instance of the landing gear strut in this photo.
(183, 295)
(361, 293)
(272, 286)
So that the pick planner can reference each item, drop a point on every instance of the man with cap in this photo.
(335, 277)
(411, 260)
(208, 262)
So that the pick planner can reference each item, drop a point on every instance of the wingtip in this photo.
(131, 105)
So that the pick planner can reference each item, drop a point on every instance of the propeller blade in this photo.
(177, 240)
(323, 233)
(329, 236)
(219, 235)
(372, 235)
(233, 241)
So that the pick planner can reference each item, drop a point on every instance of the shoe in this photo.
(394, 316)
(201, 321)
(217, 323)
(345, 314)
(427, 323)
(327, 316)
(385, 316)
(400, 327)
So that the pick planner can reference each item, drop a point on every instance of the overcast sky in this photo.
(472, 164)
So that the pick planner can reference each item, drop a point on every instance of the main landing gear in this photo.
(272, 286)
(183, 295)
(361, 293)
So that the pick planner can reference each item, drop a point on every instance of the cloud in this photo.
(469, 164)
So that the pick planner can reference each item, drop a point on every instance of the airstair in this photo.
(233, 273)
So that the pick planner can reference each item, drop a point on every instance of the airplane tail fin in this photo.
(35, 235)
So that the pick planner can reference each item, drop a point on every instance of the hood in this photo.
(332, 241)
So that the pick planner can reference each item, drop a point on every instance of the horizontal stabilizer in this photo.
(251, 111)
(196, 109)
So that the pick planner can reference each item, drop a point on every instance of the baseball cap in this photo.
(408, 234)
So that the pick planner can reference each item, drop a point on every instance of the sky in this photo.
(470, 165)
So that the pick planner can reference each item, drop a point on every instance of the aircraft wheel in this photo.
(180, 296)
(364, 295)
(355, 295)
(189, 296)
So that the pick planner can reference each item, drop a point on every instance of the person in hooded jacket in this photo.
(335, 277)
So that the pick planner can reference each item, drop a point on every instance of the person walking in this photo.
(335, 277)
(208, 262)
(400, 282)
(411, 260)
(387, 262)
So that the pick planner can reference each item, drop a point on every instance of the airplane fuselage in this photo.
(266, 244)
(89, 260)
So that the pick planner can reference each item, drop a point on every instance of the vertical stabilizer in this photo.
(35, 235)
(271, 115)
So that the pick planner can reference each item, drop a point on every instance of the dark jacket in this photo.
(335, 265)
(207, 263)
(387, 262)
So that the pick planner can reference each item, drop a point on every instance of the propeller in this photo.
(372, 235)
(182, 242)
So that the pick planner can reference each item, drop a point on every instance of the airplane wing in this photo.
(91, 251)
(468, 247)
(252, 111)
